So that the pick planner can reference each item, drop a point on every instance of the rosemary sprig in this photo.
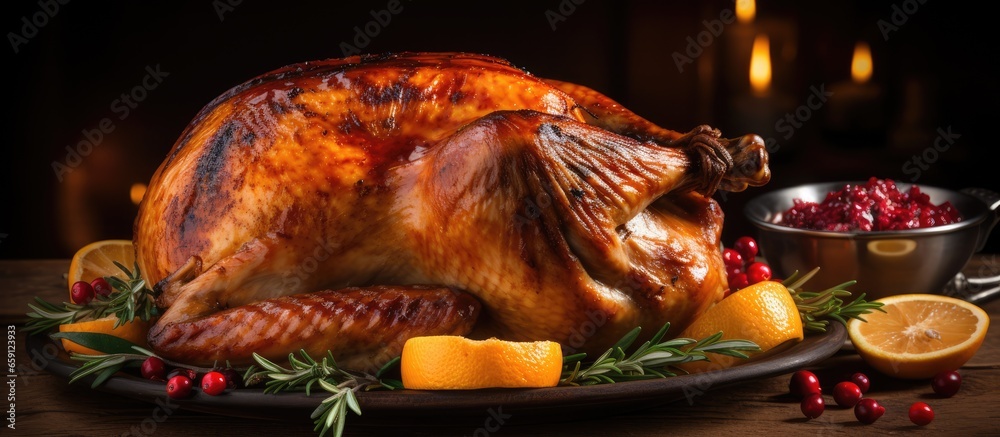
(133, 298)
(129, 299)
(652, 359)
(107, 365)
(305, 372)
(818, 308)
(46, 315)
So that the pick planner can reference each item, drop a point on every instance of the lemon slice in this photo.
(919, 335)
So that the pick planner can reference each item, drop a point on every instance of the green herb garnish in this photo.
(818, 308)
(129, 299)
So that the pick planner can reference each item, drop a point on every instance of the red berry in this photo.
(179, 387)
(233, 378)
(804, 383)
(738, 281)
(733, 271)
(921, 413)
(747, 247)
(861, 380)
(812, 406)
(81, 293)
(101, 287)
(732, 258)
(868, 411)
(758, 272)
(154, 368)
(213, 383)
(947, 383)
(847, 394)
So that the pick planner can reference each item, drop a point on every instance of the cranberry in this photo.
(101, 287)
(868, 411)
(847, 394)
(734, 270)
(81, 293)
(738, 281)
(921, 413)
(812, 406)
(747, 247)
(758, 272)
(233, 378)
(179, 387)
(154, 368)
(804, 383)
(947, 383)
(861, 380)
(732, 258)
(213, 383)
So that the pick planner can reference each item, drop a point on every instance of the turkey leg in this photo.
(599, 110)
(362, 327)
(238, 306)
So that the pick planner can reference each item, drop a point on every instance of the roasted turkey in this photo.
(348, 205)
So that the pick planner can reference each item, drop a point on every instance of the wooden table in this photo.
(46, 405)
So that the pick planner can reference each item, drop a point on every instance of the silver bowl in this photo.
(884, 263)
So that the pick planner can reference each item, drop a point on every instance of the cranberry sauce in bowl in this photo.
(862, 231)
(875, 206)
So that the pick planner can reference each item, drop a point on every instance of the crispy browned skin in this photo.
(355, 324)
(568, 217)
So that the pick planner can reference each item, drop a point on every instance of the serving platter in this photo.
(469, 407)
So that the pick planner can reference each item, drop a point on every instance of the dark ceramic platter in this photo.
(409, 407)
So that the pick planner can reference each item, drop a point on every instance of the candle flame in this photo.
(136, 192)
(760, 64)
(861, 63)
(746, 10)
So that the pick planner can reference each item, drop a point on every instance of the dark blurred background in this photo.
(677, 63)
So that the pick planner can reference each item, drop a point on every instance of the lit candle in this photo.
(746, 10)
(738, 48)
(856, 106)
(758, 111)
(760, 66)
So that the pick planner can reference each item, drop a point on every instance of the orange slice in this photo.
(449, 362)
(919, 335)
(135, 332)
(763, 313)
(96, 260)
